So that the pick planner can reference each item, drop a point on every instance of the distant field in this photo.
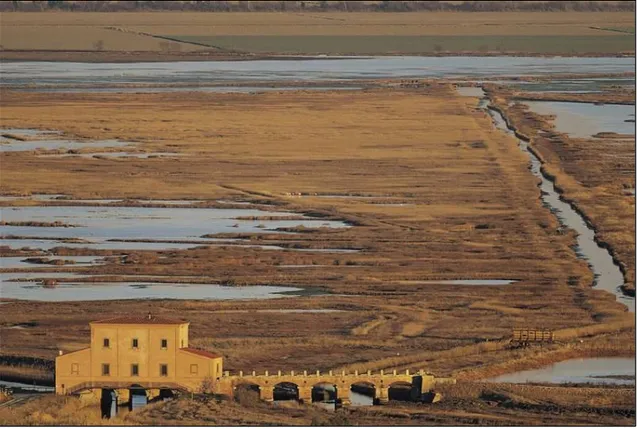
(84, 38)
(362, 33)
(416, 44)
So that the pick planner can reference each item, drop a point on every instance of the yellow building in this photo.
(149, 352)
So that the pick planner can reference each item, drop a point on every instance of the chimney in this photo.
(149, 316)
(60, 352)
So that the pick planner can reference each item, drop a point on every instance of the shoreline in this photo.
(153, 57)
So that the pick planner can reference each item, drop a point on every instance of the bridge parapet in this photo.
(381, 381)
(318, 373)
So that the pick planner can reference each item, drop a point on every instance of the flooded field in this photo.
(26, 262)
(23, 73)
(615, 370)
(28, 286)
(33, 244)
(105, 291)
(11, 146)
(102, 224)
(586, 119)
(143, 155)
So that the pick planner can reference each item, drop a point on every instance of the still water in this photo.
(583, 120)
(613, 370)
(138, 223)
(24, 286)
(26, 73)
(23, 146)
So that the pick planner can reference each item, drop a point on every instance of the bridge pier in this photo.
(267, 393)
(382, 395)
(305, 394)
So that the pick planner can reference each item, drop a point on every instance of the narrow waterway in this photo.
(608, 276)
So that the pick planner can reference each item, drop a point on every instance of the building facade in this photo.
(149, 352)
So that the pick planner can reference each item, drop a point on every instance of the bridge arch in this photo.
(246, 392)
(362, 393)
(286, 391)
(137, 395)
(400, 391)
(324, 391)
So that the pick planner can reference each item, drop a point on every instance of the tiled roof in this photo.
(144, 320)
(203, 353)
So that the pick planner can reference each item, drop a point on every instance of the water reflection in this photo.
(100, 224)
(140, 155)
(24, 261)
(583, 120)
(184, 72)
(12, 145)
(26, 288)
(620, 371)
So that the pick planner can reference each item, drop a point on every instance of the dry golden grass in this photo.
(476, 214)
(463, 404)
(51, 410)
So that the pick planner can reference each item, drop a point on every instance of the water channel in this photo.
(608, 276)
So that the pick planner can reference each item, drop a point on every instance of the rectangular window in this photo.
(134, 370)
(106, 369)
(194, 368)
(135, 343)
(75, 368)
(164, 343)
(163, 370)
(107, 343)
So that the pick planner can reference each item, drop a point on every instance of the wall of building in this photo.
(72, 369)
(206, 368)
(184, 368)
(149, 355)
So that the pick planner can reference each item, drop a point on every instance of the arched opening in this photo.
(285, 391)
(400, 391)
(108, 403)
(362, 394)
(138, 397)
(166, 394)
(325, 395)
(247, 393)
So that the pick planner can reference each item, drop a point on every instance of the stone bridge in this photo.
(377, 383)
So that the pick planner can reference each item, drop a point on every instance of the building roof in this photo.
(199, 352)
(143, 320)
